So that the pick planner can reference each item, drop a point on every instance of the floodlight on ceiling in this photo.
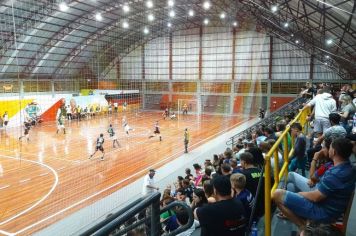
(98, 17)
(222, 15)
(191, 13)
(327, 56)
(125, 25)
(274, 8)
(206, 21)
(206, 5)
(286, 25)
(172, 13)
(149, 4)
(150, 17)
(170, 3)
(169, 24)
(63, 6)
(329, 41)
(235, 24)
(146, 30)
(297, 41)
(126, 8)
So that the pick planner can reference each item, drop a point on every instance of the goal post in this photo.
(188, 107)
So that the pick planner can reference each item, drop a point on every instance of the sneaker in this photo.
(90, 156)
(102, 158)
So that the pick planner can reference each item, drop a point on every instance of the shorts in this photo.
(114, 137)
(304, 208)
(321, 124)
(156, 132)
(127, 128)
(5, 123)
(100, 148)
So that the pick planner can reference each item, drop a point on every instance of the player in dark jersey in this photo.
(99, 146)
(26, 134)
(156, 131)
(113, 136)
(165, 113)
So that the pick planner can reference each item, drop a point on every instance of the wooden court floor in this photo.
(49, 177)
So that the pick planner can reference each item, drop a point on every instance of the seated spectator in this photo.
(234, 166)
(281, 127)
(347, 112)
(188, 189)
(335, 131)
(239, 149)
(299, 158)
(331, 196)
(266, 147)
(182, 219)
(189, 175)
(209, 165)
(198, 174)
(199, 199)
(216, 162)
(179, 183)
(259, 136)
(224, 217)
(209, 191)
(269, 133)
(181, 195)
(257, 154)
(226, 170)
(238, 183)
(320, 230)
(207, 175)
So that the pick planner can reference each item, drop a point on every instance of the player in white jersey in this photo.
(99, 146)
(126, 126)
(60, 119)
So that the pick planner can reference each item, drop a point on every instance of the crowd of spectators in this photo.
(226, 192)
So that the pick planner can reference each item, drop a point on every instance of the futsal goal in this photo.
(188, 107)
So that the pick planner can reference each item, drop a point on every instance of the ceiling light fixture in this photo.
(329, 41)
(151, 17)
(327, 56)
(98, 17)
(170, 3)
(222, 15)
(146, 30)
(206, 21)
(169, 24)
(63, 6)
(125, 24)
(235, 24)
(274, 8)
(172, 13)
(206, 5)
(149, 4)
(286, 25)
(126, 8)
(191, 13)
(297, 41)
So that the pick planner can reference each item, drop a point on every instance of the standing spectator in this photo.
(234, 167)
(324, 104)
(189, 175)
(299, 157)
(225, 217)
(186, 140)
(335, 131)
(332, 194)
(149, 183)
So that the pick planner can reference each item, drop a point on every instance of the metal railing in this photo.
(283, 172)
(271, 119)
(149, 209)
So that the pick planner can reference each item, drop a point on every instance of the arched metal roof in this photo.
(51, 42)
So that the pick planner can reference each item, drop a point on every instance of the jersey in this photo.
(111, 132)
(100, 142)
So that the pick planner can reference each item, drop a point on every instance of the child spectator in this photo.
(238, 183)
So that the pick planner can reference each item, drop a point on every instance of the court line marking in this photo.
(6, 233)
(24, 180)
(43, 174)
(121, 181)
(39, 201)
(5, 186)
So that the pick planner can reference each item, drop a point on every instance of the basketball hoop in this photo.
(8, 87)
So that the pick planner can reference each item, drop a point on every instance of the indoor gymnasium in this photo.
(177, 117)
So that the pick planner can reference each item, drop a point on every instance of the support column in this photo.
(199, 97)
(21, 89)
(270, 67)
(311, 68)
(143, 75)
(170, 68)
(52, 88)
(200, 52)
(232, 89)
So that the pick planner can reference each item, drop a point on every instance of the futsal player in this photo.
(165, 113)
(126, 126)
(99, 146)
(60, 120)
(113, 136)
(156, 131)
(26, 134)
(185, 109)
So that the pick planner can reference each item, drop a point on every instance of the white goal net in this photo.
(188, 107)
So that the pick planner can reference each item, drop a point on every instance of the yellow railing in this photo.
(278, 174)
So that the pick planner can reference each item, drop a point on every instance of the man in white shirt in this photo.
(324, 104)
(149, 183)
